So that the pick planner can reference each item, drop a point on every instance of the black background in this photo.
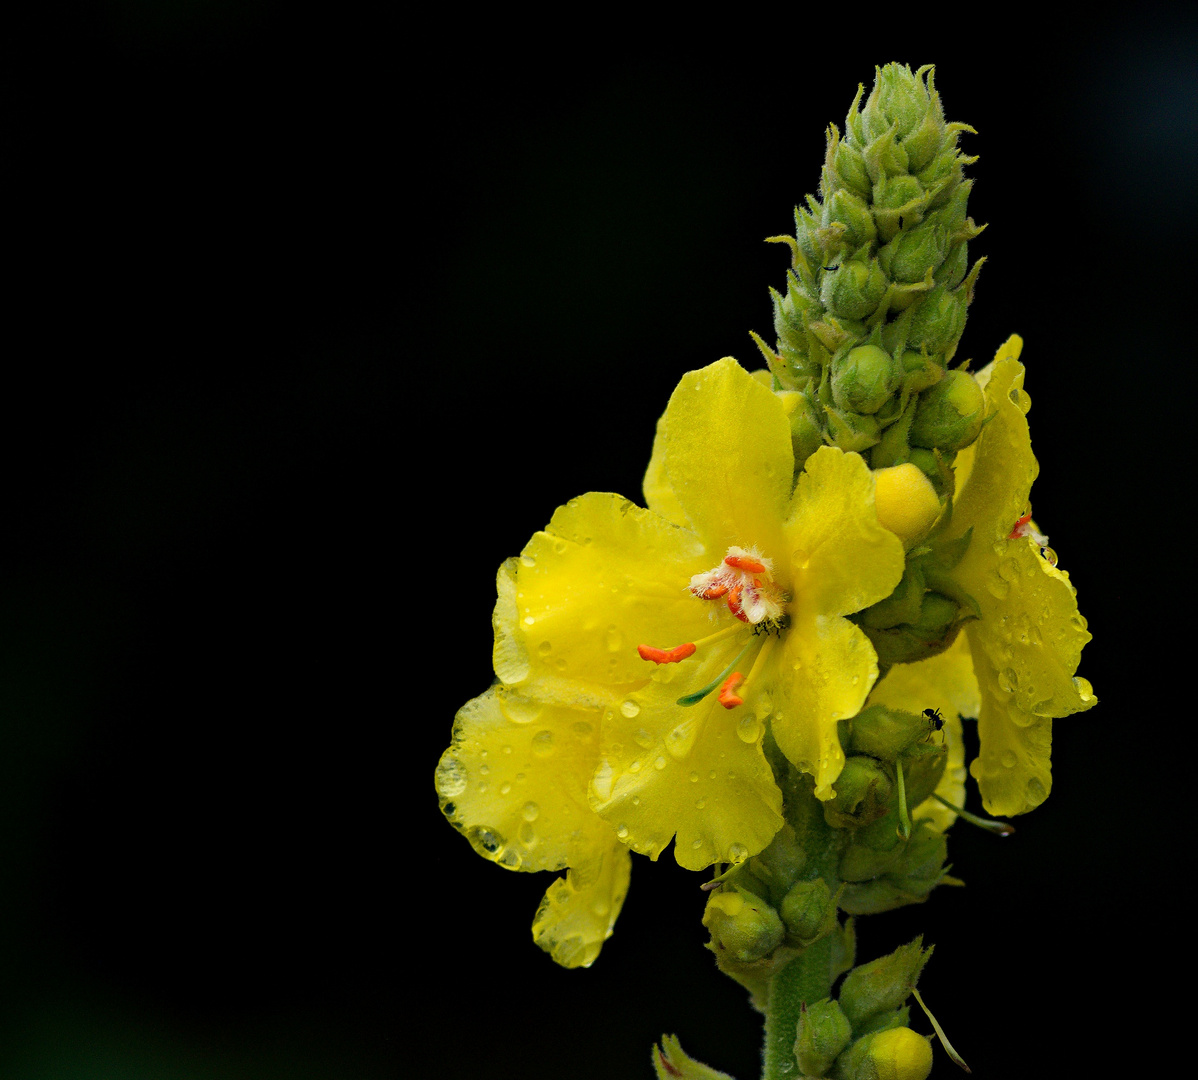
(315, 317)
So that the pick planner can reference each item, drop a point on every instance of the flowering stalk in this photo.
(768, 665)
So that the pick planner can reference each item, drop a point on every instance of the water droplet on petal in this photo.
(630, 708)
(451, 778)
(545, 648)
(530, 811)
(528, 560)
(542, 743)
(748, 729)
(642, 738)
(737, 853)
(614, 639)
(1009, 759)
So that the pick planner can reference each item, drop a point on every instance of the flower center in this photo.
(744, 581)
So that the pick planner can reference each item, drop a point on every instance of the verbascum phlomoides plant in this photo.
(770, 660)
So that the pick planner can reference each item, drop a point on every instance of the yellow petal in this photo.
(659, 495)
(841, 558)
(727, 457)
(698, 771)
(822, 673)
(514, 781)
(1027, 644)
(578, 911)
(604, 577)
(945, 682)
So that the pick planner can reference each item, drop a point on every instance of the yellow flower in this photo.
(640, 651)
(1014, 667)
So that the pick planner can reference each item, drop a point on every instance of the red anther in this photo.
(746, 563)
(1015, 533)
(712, 592)
(734, 603)
(666, 656)
(728, 696)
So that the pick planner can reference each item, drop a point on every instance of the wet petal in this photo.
(945, 682)
(1028, 643)
(727, 457)
(698, 771)
(659, 495)
(841, 558)
(604, 577)
(822, 673)
(514, 781)
(578, 911)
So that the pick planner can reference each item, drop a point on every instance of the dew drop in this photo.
(482, 789)
(737, 853)
(636, 800)
(635, 765)
(630, 708)
(659, 762)
(529, 620)
(542, 743)
(1084, 690)
(545, 648)
(614, 639)
(559, 546)
(622, 832)
(711, 775)
(700, 804)
(642, 738)
(520, 710)
(696, 844)
(504, 788)
(799, 559)
(528, 560)
(1009, 759)
(583, 728)
(451, 778)
(748, 729)
(530, 811)
(694, 778)
(1036, 792)
(997, 586)
(560, 663)
(527, 834)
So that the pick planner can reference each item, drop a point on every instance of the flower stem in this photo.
(805, 980)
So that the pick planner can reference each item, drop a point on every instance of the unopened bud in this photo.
(864, 378)
(862, 794)
(937, 320)
(883, 733)
(906, 502)
(743, 924)
(950, 414)
(854, 289)
(895, 1054)
(911, 254)
(824, 1032)
(809, 911)
(882, 984)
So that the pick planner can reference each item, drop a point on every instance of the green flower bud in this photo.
(882, 984)
(920, 372)
(901, 606)
(854, 289)
(956, 263)
(850, 210)
(929, 635)
(862, 794)
(809, 911)
(901, 96)
(671, 1062)
(864, 378)
(883, 733)
(937, 321)
(950, 414)
(923, 765)
(914, 252)
(824, 1032)
(742, 924)
(848, 167)
(851, 431)
(907, 875)
(806, 435)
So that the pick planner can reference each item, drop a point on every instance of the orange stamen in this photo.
(712, 592)
(666, 656)
(728, 696)
(734, 603)
(1019, 524)
(746, 563)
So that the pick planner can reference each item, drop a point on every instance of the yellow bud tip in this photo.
(901, 1054)
(907, 503)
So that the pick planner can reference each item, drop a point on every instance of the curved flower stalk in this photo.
(641, 653)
